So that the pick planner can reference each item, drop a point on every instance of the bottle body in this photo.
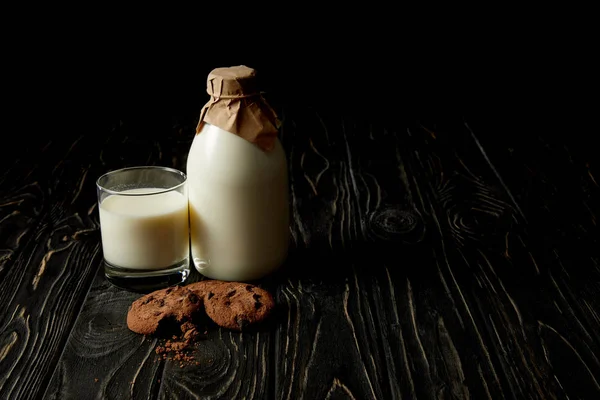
(239, 207)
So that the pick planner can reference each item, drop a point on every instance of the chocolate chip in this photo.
(256, 296)
(231, 293)
(210, 295)
(257, 305)
(227, 303)
(148, 300)
(249, 288)
(193, 298)
(169, 290)
(157, 313)
(161, 302)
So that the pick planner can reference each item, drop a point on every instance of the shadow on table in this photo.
(395, 244)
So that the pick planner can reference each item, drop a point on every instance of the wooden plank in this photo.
(461, 281)
(49, 261)
(422, 266)
(554, 179)
(50, 227)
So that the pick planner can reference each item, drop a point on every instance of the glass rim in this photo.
(149, 167)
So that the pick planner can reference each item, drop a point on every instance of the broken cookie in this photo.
(176, 303)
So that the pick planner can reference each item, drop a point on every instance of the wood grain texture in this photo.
(48, 263)
(428, 262)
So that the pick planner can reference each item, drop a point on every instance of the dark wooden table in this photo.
(436, 260)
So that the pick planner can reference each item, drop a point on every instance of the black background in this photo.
(514, 73)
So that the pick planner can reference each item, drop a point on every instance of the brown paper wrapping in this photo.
(237, 106)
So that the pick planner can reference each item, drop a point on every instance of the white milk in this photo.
(238, 199)
(145, 232)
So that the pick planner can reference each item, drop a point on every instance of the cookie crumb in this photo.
(177, 348)
(96, 379)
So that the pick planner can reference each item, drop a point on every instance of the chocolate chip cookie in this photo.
(236, 305)
(176, 303)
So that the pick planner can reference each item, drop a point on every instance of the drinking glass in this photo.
(144, 225)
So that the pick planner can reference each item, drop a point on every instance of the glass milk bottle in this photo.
(237, 182)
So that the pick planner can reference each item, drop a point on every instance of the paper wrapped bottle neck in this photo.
(237, 106)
